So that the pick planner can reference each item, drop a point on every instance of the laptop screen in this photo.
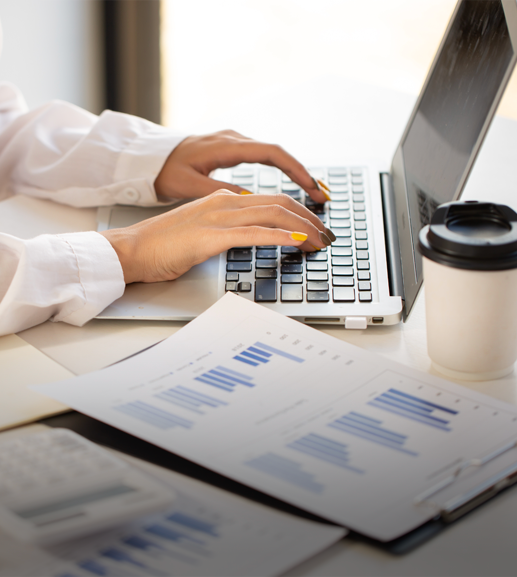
(453, 109)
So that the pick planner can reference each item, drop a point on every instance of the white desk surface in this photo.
(342, 124)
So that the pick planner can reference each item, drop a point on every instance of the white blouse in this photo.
(63, 153)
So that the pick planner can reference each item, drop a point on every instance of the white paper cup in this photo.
(470, 274)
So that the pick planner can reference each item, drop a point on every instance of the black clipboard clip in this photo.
(462, 504)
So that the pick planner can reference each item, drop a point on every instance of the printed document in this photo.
(309, 419)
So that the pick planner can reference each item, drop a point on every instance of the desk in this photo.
(482, 543)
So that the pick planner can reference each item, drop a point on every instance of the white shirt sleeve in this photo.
(63, 153)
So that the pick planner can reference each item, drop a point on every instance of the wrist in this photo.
(123, 242)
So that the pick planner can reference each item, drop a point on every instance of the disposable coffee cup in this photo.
(470, 271)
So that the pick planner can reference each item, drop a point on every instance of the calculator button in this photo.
(318, 297)
(317, 275)
(365, 297)
(231, 286)
(291, 293)
(317, 266)
(317, 286)
(265, 291)
(343, 281)
(232, 276)
(266, 273)
(238, 266)
(364, 285)
(292, 269)
(363, 275)
(343, 294)
(291, 278)
(244, 287)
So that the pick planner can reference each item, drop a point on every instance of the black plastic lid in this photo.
(471, 235)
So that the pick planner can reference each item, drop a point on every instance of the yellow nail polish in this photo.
(315, 247)
(298, 236)
(325, 194)
(323, 185)
(243, 192)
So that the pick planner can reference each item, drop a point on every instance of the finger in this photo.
(203, 185)
(251, 151)
(255, 236)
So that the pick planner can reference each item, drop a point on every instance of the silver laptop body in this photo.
(373, 271)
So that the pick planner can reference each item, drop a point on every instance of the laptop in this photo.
(372, 273)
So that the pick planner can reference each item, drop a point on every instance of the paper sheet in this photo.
(207, 532)
(314, 421)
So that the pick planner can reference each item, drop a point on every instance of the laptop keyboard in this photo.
(339, 273)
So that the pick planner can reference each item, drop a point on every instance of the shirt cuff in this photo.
(100, 275)
(140, 163)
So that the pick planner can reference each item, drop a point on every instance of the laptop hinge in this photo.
(391, 236)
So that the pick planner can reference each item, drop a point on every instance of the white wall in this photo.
(53, 49)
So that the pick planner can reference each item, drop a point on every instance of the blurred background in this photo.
(191, 64)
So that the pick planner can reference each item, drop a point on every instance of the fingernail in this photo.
(323, 185)
(298, 236)
(315, 247)
(316, 185)
(243, 192)
(325, 194)
(325, 239)
(330, 234)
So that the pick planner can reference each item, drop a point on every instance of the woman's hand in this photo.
(166, 246)
(185, 173)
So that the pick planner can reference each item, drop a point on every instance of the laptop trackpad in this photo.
(182, 299)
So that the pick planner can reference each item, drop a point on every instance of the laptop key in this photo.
(244, 287)
(316, 257)
(342, 261)
(337, 171)
(266, 273)
(317, 275)
(363, 275)
(365, 297)
(364, 285)
(361, 245)
(292, 269)
(363, 265)
(360, 226)
(359, 207)
(265, 291)
(266, 263)
(342, 232)
(291, 293)
(291, 279)
(267, 246)
(343, 281)
(339, 204)
(362, 255)
(294, 258)
(360, 235)
(342, 242)
(230, 286)
(357, 178)
(358, 189)
(290, 187)
(337, 189)
(338, 180)
(238, 266)
(317, 286)
(266, 253)
(342, 271)
(341, 251)
(343, 294)
(340, 223)
(290, 250)
(239, 255)
(317, 297)
(316, 266)
(333, 213)
(358, 198)
(268, 178)
(232, 276)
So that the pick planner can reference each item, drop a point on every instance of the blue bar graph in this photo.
(420, 410)
(171, 534)
(193, 523)
(225, 379)
(122, 557)
(371, 430)
(260, 353)
(153, 416)
(326, 450)
(286, 470)
(189, 399)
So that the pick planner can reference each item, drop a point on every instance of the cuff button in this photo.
(131, 194)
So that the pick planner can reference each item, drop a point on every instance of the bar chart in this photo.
(411, 407)
(287, 470)
(189, 399)
(326, 450)
(225, 379)
(260, 353)
(153, 416)
(370, 429)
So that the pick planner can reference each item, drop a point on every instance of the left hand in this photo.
(185, 173)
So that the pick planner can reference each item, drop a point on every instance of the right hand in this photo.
(166, 246)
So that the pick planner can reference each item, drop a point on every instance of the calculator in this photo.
(56, 485)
